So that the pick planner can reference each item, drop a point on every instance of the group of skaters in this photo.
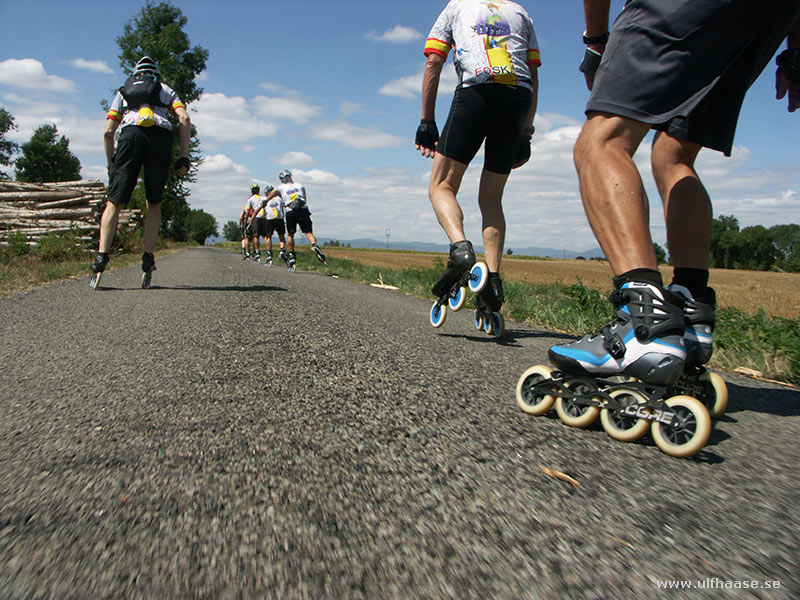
(679, 67)
(278, 211)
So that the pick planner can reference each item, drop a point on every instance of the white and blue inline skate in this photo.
(487, 307)
(624, 375)
(462, 273)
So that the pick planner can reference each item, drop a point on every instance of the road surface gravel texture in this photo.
(243, 432)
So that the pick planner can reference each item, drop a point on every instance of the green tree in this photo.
(200, 226)
(661, 254)
(786, 240)
(47, 158)
(7, 147)
(755, 249)
(157, 31)
(724, 235)
(231, 231)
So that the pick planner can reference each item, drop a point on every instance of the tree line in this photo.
(156, 31)
(756, 248)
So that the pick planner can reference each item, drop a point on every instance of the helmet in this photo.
(254, 189)
(285, 174)
(147, 64)
(268, 189)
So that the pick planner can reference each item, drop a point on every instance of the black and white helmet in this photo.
(284, 175)
(147, 65)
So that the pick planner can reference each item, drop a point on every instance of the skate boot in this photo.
(98, 266)
(292, 261)
(148, 266)
(487, 307)
(282, 256)
(625, 374)
(696, 380)
(268, 259)
(462, 272)
(319, 254)
(257, 256)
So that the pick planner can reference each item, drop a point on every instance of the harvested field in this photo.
(777, 293)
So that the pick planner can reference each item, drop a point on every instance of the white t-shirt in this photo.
(291, 192)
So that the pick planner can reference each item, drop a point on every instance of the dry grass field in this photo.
(777, 293)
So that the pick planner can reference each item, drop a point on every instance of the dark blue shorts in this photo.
(684, 66)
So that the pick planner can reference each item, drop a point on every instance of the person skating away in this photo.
(497, 60)
(683, 68)
(297, 214)
(274, 223)
(247, 232)
(139, 111)
(256, 219)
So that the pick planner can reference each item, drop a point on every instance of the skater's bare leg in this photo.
(490, 200)
(108, 226)
(687, 207)
(152, 223)
(446, 176)
(290, 243)
(611, 188)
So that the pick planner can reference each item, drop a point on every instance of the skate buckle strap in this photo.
(613, 344)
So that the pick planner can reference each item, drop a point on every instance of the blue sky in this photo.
(331, 90)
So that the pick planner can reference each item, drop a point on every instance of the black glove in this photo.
(590, 62)
(427, 134)
(789, 62)
(523, 152)
(183, 162)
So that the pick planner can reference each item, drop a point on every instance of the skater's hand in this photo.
(787, 77)
(590, 63)
(427, 138)
(182, 166)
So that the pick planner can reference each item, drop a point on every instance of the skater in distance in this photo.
(140, 111)
(496, 56)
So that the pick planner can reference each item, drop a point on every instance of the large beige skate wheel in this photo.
(530, 401)
(572, 413)
(720, 393)
(691, 431)
(620, 426)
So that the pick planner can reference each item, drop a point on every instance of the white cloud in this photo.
(348, 108)
(353, 136)
(399, 34)
(222, 187)
(29, 74)
(228, 119)
(295, 159)
(96, 66)
(295, 110)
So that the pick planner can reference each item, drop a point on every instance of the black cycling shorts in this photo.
(685, 66)
(260, 227)
(300, 216)
(274, 226)
(492, 112)
(137, 147)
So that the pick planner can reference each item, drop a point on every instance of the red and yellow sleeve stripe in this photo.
(534, 58)
(434, 46)
(177, 104)
(114, 116)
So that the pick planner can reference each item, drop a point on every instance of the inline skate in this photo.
(462, 272)
(98, 266)
(268, 259)
(257, 257)
(291, 264)
(624, 374)
(696, 380)
(487, 307)
(320, 256)
(148, 266)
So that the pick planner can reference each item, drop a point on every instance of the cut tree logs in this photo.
(35, 209)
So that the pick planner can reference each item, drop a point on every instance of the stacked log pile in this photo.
(36, 209)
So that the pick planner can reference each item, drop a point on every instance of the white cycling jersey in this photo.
(274, 208)
(292, 192)
(254, 204)
(493, 41)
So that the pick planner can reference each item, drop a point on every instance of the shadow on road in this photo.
(510, 337)
(199, 288)
(773, 401)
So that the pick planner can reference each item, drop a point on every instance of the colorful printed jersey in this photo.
(274, 209)
(292, 192)
(120, 113)
(493, 42)
(254, 205)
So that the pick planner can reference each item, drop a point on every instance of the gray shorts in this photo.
(684, 66)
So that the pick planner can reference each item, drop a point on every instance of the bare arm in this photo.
(783, 84)
(596, 16)
(108, 139)
(184, 135)
(430, 87)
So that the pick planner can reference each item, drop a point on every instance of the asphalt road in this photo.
(243, 432)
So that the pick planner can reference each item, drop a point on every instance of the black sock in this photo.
(651, 276)
(694, 280)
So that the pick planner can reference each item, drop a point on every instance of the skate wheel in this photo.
(690, 430)
(147, 277)
(531, 398)
(573, 413)
(621, 426)
(498, 324)
(717, 386)
(94, 281)
(478, 277)
(456, 301)
(438, 314)
(478, 319)
(488, 324)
